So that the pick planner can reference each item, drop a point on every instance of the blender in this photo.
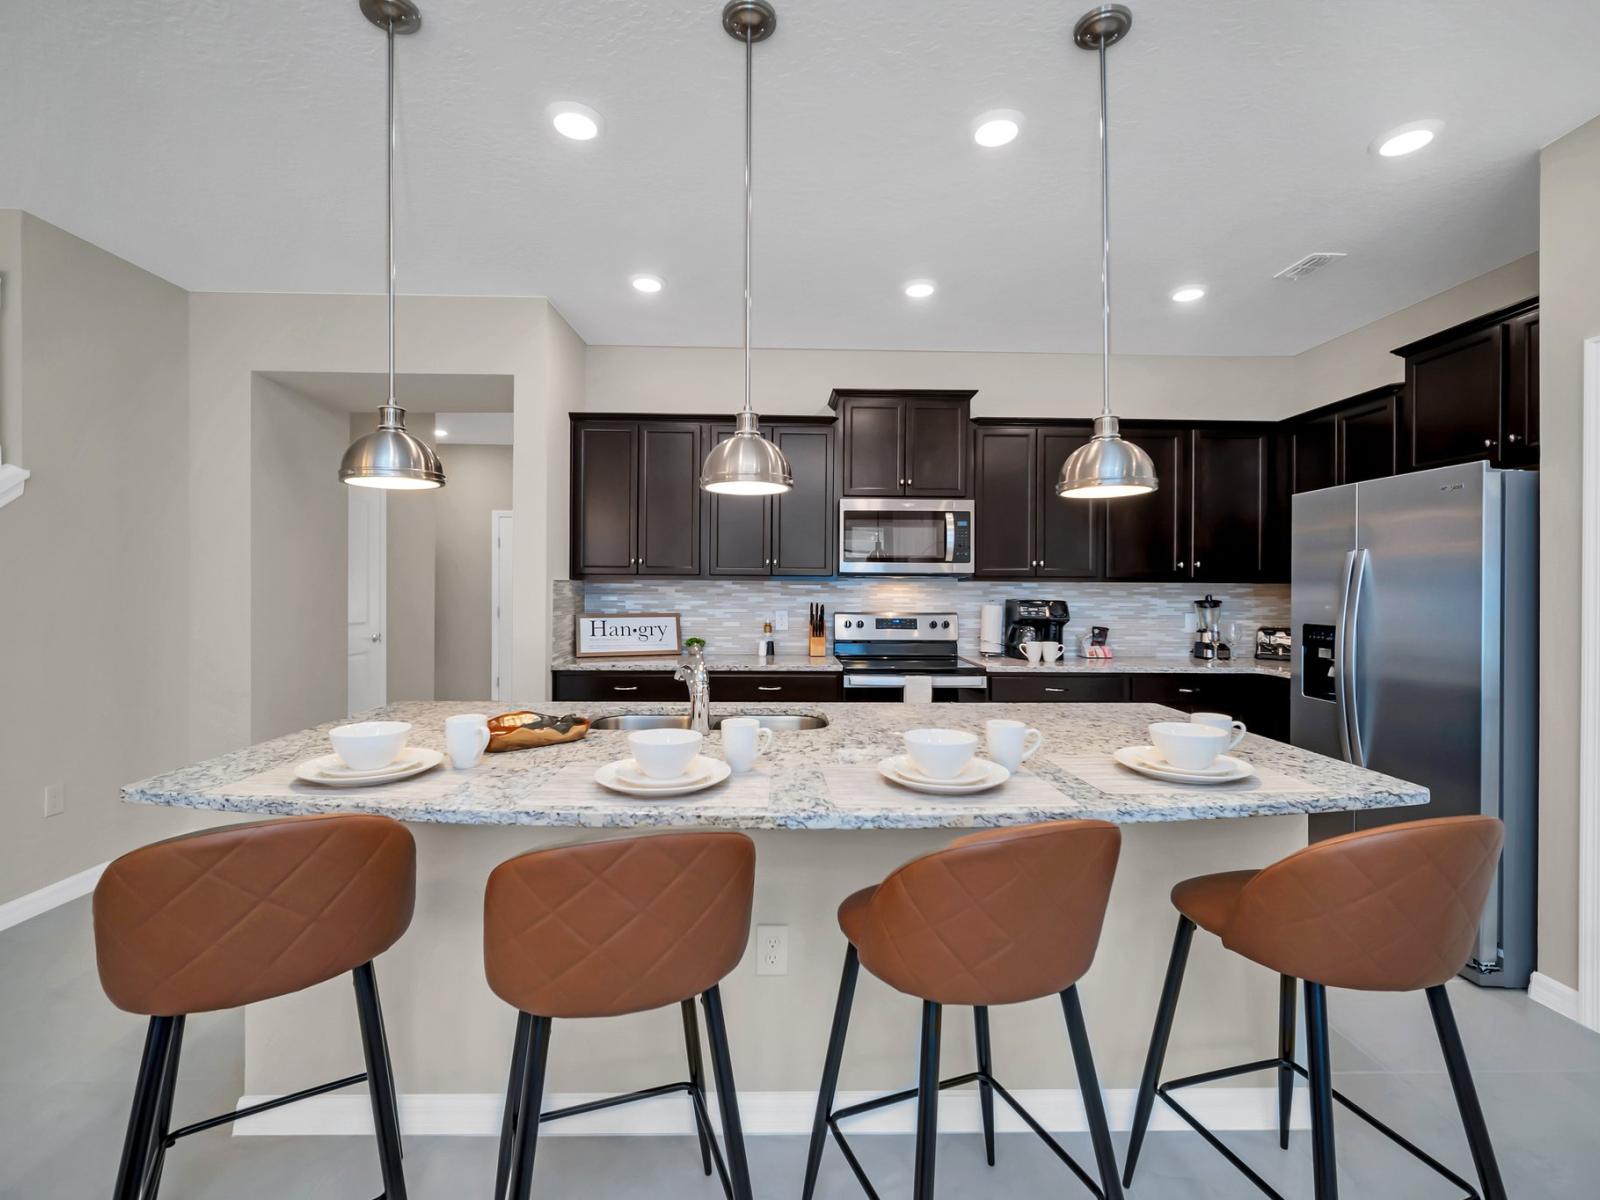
(1208, 624)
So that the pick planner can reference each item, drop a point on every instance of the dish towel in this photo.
(918, 690)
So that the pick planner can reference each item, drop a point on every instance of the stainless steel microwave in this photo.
(905, 537)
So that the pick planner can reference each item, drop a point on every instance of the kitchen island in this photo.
(824, 825)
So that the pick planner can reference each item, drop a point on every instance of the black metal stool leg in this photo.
(1159, 1037)
(1455, 1060)
(727, 1094)
(1286, 1020)
(380, 1083)
(830, 1069)
(1094, 1107)
(141, 1117)
(509, 1123)
(927, 1103)
(980, 1023)
(697, 1076)
(530, 1095)
(1324, 1163)
(162, 1125)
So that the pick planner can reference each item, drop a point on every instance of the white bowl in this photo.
(664, 753)
(1190, 747)
(368, 745)
(940, 753)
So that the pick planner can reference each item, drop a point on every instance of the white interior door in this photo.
(367, 677)
(500, 598)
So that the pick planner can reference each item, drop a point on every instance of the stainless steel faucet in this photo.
(694, 673)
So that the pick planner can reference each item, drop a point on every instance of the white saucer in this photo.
(629, 771)
(609, 777)
(1146, 761)
(330, 770)
(976, 771)
(897, 770)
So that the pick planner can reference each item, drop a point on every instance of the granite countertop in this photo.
(1141, 665)
(716, 662)
(516, 788)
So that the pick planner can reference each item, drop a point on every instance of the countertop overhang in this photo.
(509, 788)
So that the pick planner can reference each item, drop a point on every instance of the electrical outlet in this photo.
(780, 621)
(772, 949)
(1188, 622)
(55, 799)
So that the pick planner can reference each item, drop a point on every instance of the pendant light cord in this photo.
(749, 88)
(1105, 245)
(390, 185)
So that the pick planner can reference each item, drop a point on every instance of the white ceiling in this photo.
(239, 147)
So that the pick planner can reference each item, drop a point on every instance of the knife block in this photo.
(818, 647)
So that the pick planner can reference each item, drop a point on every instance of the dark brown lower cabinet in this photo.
(742, 687)
(1058, 689)
(621, 686)
(1260, 701)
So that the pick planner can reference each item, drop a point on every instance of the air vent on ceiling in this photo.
(1311, 262)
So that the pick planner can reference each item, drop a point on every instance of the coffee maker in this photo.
(1034, 621)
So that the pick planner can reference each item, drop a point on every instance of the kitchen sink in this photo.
(783, 722)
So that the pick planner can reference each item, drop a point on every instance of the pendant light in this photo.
(1107, 467)
(389, 457)
(747, 464)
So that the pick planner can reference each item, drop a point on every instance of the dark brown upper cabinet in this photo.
(903, 442)
(670, 454)
(1071, 532)
(1147, 536)
(1470, 394)
(1346, 442)
(1314, 453)
(1024, 530)
(804, 519)
(604, 499)
(1230, 476)
(738, 528)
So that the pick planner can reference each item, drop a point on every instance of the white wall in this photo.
(1569, 314)
(479, 483)
(94, 648)
(298, 524)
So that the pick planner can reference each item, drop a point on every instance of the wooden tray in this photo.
(526, 730)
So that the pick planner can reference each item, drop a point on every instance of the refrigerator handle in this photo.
(1349, 623)
(1340, 632)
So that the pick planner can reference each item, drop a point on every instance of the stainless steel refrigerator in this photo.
(1415, 619)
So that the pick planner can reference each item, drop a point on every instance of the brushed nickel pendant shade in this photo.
(1107, 466)
(390, 457)
(747, 464)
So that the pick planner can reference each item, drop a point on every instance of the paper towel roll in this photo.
(991, 629)
(919, 689)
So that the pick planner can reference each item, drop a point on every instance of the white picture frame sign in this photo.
(628, 635)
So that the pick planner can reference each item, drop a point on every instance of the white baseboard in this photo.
(479, 1114)
(23, 908)
(1554, 995)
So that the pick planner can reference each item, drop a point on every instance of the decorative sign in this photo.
(628, 635)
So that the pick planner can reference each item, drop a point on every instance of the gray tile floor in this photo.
(67, 1061)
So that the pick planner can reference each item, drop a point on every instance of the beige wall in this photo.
(1361, 359)
(646, 378)
(479, 483)
(94, 684)
(1569, 313)
(298, 523)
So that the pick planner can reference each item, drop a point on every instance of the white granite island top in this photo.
(522, 788)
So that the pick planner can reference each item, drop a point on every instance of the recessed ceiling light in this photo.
(997, 128)
(437, 432)
(648, 284)
(576, 121)
(921, 289)
(1407, 139)
(1188, 293)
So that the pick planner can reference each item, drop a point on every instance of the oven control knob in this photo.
(946, 625)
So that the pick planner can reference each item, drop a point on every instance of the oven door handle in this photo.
(974, 683)
(874, 681)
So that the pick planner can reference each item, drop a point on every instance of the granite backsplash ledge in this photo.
(1145, 619)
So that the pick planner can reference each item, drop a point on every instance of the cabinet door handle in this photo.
(1197, 564)
(1488, 441)
(1513, 437)
(1055, 691)
(619, 688)
(1187, 691)
(1181, 564)
(763, 687)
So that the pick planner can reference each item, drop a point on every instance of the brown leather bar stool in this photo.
(231, 916)
(1394, 909)
(994, 918)
(612, 927)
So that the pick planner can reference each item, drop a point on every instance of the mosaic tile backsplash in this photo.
(1144, 618)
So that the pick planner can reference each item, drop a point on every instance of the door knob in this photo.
(377, 637)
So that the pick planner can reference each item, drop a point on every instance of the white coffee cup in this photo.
(1034, 651)
(940, 753)
(465, 736)
(1187, 746)
(1011, 743)
(1235, 729)
(664, 753)
(1050, 651)
(369, 745)
(743, 738)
